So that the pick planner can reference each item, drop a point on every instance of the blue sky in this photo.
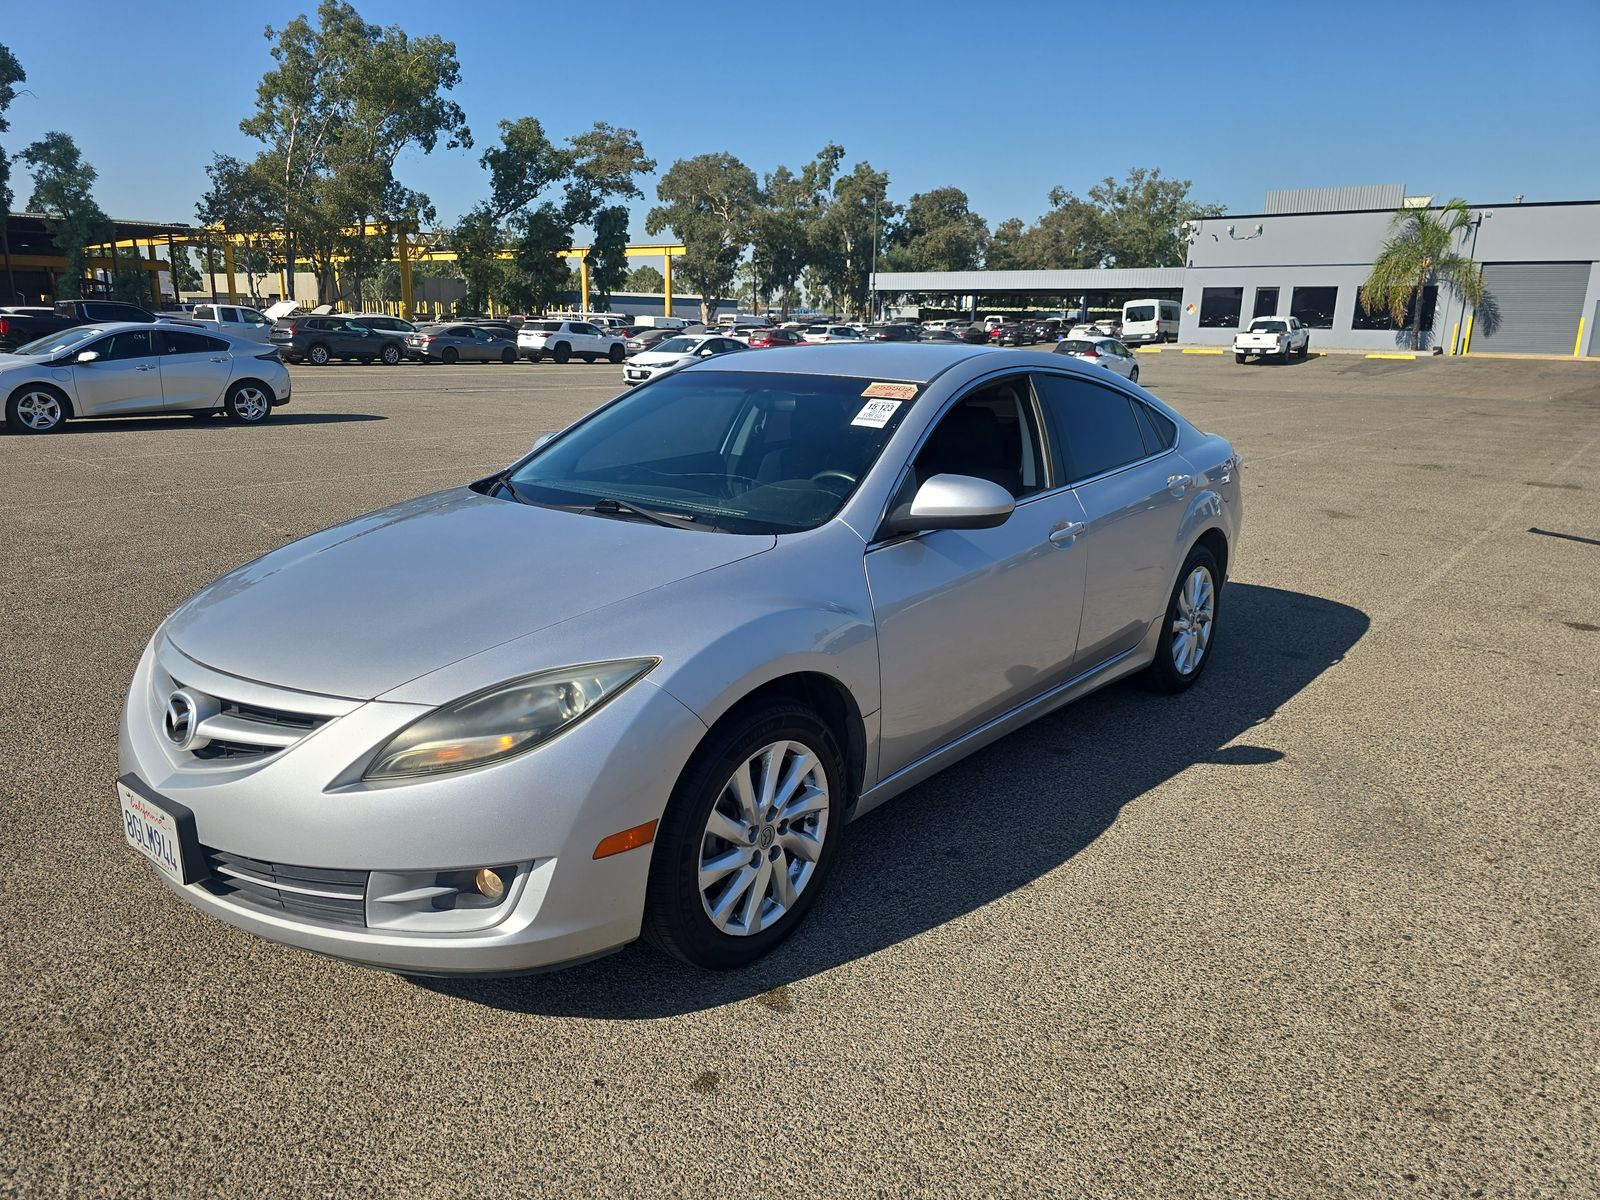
(1483, 100)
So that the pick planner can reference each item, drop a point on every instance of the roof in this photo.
(908, 362)
(1082, 280)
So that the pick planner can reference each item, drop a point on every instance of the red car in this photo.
(771, 339)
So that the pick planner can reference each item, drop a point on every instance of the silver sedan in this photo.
(639, 681)
(1102, 351)
(124, 368)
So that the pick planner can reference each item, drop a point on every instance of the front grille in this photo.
(236, 731)
(324, 894)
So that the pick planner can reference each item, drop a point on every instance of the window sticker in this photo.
(875, 414)
(891, 391)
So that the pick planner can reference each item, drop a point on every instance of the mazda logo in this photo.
(179, 721)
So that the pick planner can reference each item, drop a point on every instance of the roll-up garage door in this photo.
(1531, 308)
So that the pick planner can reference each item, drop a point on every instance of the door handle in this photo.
(1067, 532)
(146, 367)
(1176, 484)
(219, 360)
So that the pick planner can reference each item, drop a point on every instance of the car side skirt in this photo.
(1126, 663)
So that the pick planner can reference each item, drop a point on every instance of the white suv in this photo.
(563, 339)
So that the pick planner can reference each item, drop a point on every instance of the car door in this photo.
(1132, 487)
(972, 623)
(484, 346)
(125, 378)
(252, 325)
(195, 369)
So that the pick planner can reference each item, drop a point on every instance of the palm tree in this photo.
(1420, 248)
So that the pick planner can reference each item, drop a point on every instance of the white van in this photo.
(742, 321)
(1149, 321)
(665, 322)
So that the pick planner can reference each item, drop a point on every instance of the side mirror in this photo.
(707, 352)
(952, 502)
(88, 356)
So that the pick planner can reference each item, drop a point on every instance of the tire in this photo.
(588, 358)
(562, 352)
(248, 402)
(534, 356)
(37, 408)
(508, 357)
(1134, 377)
(1175, 669)
(616, 354)
(390, 355)
(1305, 348)
(449, 356)
(677, 917)
(318, 355)
(1238, 358)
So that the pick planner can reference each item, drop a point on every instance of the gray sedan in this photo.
(460, 343)
(639, 681)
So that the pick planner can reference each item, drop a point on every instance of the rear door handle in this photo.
(1177, 484)
(1064, 535)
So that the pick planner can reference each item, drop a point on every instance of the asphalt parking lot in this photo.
(1328, 925)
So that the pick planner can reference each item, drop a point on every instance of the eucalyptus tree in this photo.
(710, 203)
(11, 74)
(63, 189)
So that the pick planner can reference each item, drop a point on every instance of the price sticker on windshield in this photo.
(891, 391)
(875, 414)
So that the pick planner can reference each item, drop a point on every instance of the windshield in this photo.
(55, 343)
(1268, 327)
(676, 345)
(1143, 312)
(745, 452)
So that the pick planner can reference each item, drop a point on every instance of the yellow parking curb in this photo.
(1402, 357)
(1202, 350)
(1147, 350)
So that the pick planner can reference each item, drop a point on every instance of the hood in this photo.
(654, 358)
(365, 606)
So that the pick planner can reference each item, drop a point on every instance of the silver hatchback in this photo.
(638, 681)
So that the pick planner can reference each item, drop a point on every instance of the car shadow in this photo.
(992, 823)
(166, 421)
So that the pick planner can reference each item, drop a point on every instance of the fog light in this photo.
(490, 886)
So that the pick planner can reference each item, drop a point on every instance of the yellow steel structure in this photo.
(407, 254)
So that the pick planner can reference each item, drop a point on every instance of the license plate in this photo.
(152, 831)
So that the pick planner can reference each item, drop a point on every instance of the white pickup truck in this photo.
(1278, 336)
(238, 319)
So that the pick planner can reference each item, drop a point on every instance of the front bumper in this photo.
(548, 808)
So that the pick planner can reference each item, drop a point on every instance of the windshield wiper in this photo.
(611, 507)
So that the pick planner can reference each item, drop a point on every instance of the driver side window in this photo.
(992, 434)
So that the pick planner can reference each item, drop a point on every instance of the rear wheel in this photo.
(562, 352)
(615, 354)
(390, 355)
(36, 409)
(588, 358)
(534, 356)
(748, 838)
(508, 356)
(449, 356)
(1238, 358)
(248, 403)
(1189, 630)
(318, 355)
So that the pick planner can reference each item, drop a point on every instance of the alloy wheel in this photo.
(763, 838)
(1191, 629)
(39, 410)
(250, 403)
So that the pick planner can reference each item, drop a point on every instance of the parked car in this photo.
(455, 342)
(320, 339)
(1149, 321)
(238, 320)
(768, 339)
(831, 333)
(123, 368)
(677, 352)
(562, 340)
(939, 335)
(1102, 352)
(24, 324)
(384, 323)
(897, 332)
(1277, 337)
(647, 337)
(976, 334)
(1016, 333)
(639, 681)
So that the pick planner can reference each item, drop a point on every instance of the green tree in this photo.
(940, 232)
(792, 205)
(63, 189)
(608, 264)
(1140, 218)
(1421, 247)
(645, 281)
(849, 232)
(240, 203)
(477, 241)
(709, 202)
(11, 74)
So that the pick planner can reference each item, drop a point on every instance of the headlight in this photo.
(504, 720)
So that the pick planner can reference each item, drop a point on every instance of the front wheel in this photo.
(748, 839)
(1133, 376)
(1305, 348)
(36, 409)
(1189, 631)
(248, 403)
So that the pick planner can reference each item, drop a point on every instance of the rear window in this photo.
(1268, 327)
(1143, 312)
(543, 326)
(1076, 346)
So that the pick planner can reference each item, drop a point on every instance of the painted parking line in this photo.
(1203, 350)
(1396, 357)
